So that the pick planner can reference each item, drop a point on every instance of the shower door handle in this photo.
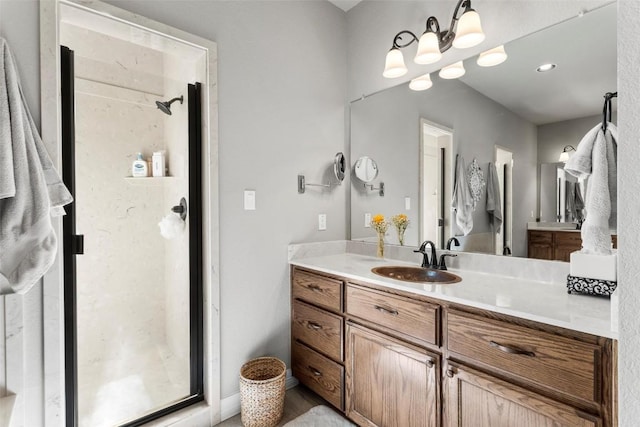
(77, 244)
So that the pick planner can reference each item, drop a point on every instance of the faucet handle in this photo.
(425, 258)
(442, 265)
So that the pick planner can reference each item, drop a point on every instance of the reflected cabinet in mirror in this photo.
(502, 128)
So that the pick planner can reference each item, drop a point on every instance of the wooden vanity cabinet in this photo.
(391, 358)
(317, 334)
(389, 382)
(476, 399)
(556, 245)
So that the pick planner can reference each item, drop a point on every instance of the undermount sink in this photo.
(416, 274)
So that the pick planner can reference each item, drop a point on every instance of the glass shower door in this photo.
(133, 294)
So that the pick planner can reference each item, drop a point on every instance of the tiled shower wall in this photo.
(117, 84)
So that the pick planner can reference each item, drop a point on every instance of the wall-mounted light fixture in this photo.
(492, 57)
(434, 41)
(464, 31)
(564, 156)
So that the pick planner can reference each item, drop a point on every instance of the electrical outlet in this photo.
(322, 222)
(407, 203)
(367, 220)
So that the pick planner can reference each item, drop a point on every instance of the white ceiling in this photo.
(584, 49)
(345, 4)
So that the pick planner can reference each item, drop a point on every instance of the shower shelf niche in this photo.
(150, 181)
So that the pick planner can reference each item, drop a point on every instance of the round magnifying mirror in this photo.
(366, 169)
(339, 167)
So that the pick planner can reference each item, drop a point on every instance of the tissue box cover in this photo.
(602, 267)
(585, 285)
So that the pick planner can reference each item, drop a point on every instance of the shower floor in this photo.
(113, 391)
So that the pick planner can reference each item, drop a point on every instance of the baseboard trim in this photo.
(230, 406)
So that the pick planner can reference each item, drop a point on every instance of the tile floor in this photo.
(297, 401)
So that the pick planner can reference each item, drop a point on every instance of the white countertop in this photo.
(542, 302)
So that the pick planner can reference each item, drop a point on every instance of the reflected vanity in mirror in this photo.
(510, 115)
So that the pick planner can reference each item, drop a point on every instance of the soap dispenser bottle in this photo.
(140, 167)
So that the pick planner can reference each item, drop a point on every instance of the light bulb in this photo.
(492, 57)
(428, 49)
(469, 31)
(452, 71)
(421, 83)
(564, 156)
(394, 64)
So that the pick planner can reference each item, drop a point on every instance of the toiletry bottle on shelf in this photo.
(158, 162)
(139, 167)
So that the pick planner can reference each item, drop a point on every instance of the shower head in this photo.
(165, 106)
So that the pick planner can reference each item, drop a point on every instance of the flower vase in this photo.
(380, 252)
(401, 236)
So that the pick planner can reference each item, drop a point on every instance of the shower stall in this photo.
(133, 295)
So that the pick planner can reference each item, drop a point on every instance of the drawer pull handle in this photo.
(314, 371)
(511, 350)
(315, 288)
(450, 373)
(430, 363)
(386, 310)
(314, 326)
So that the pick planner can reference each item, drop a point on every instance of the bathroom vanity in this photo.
(556, 244)
(490, 350)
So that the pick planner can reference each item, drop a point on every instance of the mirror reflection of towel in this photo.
(494, 201)
(574, 203)
(462, 201)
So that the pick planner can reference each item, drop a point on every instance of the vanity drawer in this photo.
(318, 329)
(417, 320)
(323, 376)
(318, 290)
(541, 237)
(548, 360)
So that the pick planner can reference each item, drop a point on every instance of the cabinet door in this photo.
(540, 244)
(390, 383)
(475, 399)
(567, 242)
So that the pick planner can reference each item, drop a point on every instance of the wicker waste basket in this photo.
(262, 391)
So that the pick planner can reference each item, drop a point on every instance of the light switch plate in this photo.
(367, 220)
(407, 203)
(249, 200)
(322, 222)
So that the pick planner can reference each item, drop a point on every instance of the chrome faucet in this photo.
(425, 256)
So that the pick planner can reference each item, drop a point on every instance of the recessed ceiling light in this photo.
(546, 67)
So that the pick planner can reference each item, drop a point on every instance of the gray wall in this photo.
(19, 25)
(282, 85)
(553, 137)
(628, 208)
(281, 80)
(386, 127)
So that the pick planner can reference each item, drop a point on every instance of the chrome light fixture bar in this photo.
(435, 41)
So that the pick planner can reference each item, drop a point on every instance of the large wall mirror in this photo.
(510, 115)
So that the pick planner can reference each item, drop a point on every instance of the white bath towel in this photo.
(494, 201)
(462, 201)
(30, 189)
(595, 158)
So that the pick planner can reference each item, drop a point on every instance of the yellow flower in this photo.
(400, 221)
(379, 224)
(377, 219)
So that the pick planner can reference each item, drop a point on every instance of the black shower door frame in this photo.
(73, 246)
